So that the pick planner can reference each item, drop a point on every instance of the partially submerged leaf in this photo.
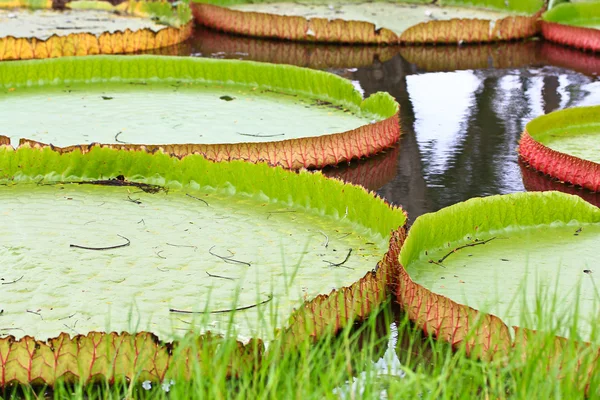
(574, 24)
(378, 22)
(564, 144)
(283, 115)
(89, 27)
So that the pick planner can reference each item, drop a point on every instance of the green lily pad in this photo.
(222, 109)
(42, 24)
(526, 259)
(563, 145)
(191, 250)
(574, 24)
(377, 22)
(33, 29)
(134, 242)
(120, 240)
(583, 14)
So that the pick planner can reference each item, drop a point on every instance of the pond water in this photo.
(463, 109)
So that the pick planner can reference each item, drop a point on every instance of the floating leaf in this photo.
(564, 145)
(284, 115)
(574, 24)
(473, 268)
(452, 21)
(156, 244)
(35, 30)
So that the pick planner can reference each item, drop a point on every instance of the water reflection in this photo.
(208, 43)
(461, 128)
(535, 181)
(453, 58)
(371, 173)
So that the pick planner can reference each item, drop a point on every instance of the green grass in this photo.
(343, 366)
(384, 355)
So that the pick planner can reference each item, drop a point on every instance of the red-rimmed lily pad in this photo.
(221, 109)
(471, 270)
(153, 247)
(574, 24)
(450, 21)
(564, 145)
(34, 29)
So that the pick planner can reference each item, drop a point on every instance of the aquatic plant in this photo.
(35, 29)
(221, 109)
(563, 144)
(149, 246)
(463, 269)
(573, 24)
(449, 21)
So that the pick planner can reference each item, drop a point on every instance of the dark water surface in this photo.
(462, 111)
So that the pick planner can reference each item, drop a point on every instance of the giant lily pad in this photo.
(449, 21)
(222, 109)
(132, 242)
(475, 268)
(33, 29)
(564, 145)
(574, 24)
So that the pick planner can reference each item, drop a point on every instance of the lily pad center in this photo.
(154, 113)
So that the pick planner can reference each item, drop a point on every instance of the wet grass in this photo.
(360, 363)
